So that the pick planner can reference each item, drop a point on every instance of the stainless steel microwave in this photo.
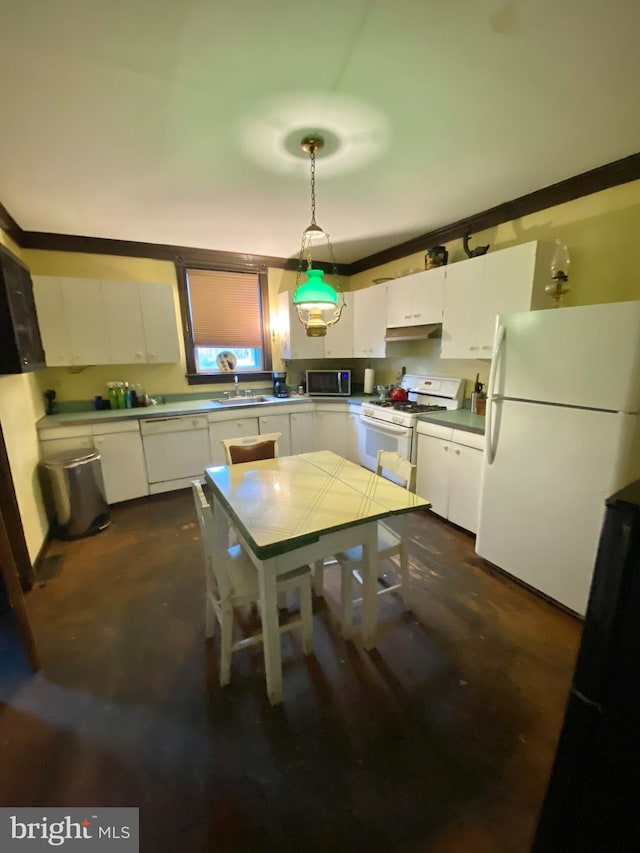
(329, 383)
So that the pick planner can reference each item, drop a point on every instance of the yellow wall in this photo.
(21, 406)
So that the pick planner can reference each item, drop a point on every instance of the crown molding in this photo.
(613, 174)
(10, 226)
(610, 175)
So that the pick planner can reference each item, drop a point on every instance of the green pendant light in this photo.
(313, 296)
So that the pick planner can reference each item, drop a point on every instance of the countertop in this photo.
(184, 407)
(462, 419)
(459, 419)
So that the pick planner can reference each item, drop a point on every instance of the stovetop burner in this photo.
(410, 407)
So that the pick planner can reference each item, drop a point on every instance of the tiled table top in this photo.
(282, 504)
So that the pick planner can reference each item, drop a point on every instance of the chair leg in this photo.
(346, 601)
(209, 618)
(318, 578)
(306, 612)
(226, 641)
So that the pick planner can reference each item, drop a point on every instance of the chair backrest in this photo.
(389, 460)
(214, 553)
(251, 448)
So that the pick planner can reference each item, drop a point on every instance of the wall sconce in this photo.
(559, 273)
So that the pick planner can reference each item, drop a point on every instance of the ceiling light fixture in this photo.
(314, 298)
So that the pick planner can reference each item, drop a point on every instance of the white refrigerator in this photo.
(562, 434)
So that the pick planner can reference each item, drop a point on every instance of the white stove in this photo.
(385, 425)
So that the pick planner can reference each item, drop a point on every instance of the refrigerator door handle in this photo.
(489, 444)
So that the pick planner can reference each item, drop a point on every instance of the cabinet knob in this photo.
(457, 452)
(152, 355)
(445, 448)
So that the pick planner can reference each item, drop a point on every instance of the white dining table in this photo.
(294, 510)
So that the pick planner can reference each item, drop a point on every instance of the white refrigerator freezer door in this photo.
(542, 501)
(585, 356)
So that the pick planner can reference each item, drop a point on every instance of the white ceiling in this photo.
(168, 121)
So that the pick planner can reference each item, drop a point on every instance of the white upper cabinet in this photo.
(338, 342)
(88, 321)
(52, 320)
(416, 300)
(294, 340)
(478, 289)
(71, 319)
(369, 321)
(123, 316)
(159, 322)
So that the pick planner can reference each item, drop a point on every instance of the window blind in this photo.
(225, 308)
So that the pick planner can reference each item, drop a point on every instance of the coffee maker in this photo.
(280, 384)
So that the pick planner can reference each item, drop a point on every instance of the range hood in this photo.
(413, 333)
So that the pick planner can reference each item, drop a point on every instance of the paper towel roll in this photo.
(368, 380)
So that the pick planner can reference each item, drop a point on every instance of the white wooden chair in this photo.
(232, 581)
(251, 448)
(390, 544)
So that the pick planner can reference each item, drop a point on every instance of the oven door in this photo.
(375, 435)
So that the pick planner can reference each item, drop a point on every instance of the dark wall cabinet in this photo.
(20, 344)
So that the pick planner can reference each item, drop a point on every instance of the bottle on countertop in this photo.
(127, 396)
(114, 397)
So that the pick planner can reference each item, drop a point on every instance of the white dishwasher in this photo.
(176, 451)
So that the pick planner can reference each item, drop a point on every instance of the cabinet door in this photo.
(159, 321)
(353, 435)
(462, 309)
(399, 296)
(369, 321)
(338, 342)
(464, 486)
(278, 423)
(229, 429)
(332, 433)
(123, 469)
(123, 316)
(84, 310)
(52, 320)
(296, 343)
(427, 296)
(303, 436)
(432, 475)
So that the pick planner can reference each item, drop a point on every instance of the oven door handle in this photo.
(383, 426)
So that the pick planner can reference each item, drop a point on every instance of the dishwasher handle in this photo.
(178, 423)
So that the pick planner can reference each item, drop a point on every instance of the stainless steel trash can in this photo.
(77, 491)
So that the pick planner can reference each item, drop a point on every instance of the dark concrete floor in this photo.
(441, 740)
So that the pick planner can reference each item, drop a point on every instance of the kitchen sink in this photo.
(241, 401)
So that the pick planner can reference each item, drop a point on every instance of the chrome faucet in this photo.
(235, 379)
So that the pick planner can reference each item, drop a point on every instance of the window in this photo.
(226, 323)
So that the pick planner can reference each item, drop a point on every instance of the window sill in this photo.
(220, 378)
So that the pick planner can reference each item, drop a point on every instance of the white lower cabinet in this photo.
(278, 423)
(332, 431)
(231, 428)
(122, 460)
(303, 432)
(449, 469)
(353, 428)
(121, 454)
